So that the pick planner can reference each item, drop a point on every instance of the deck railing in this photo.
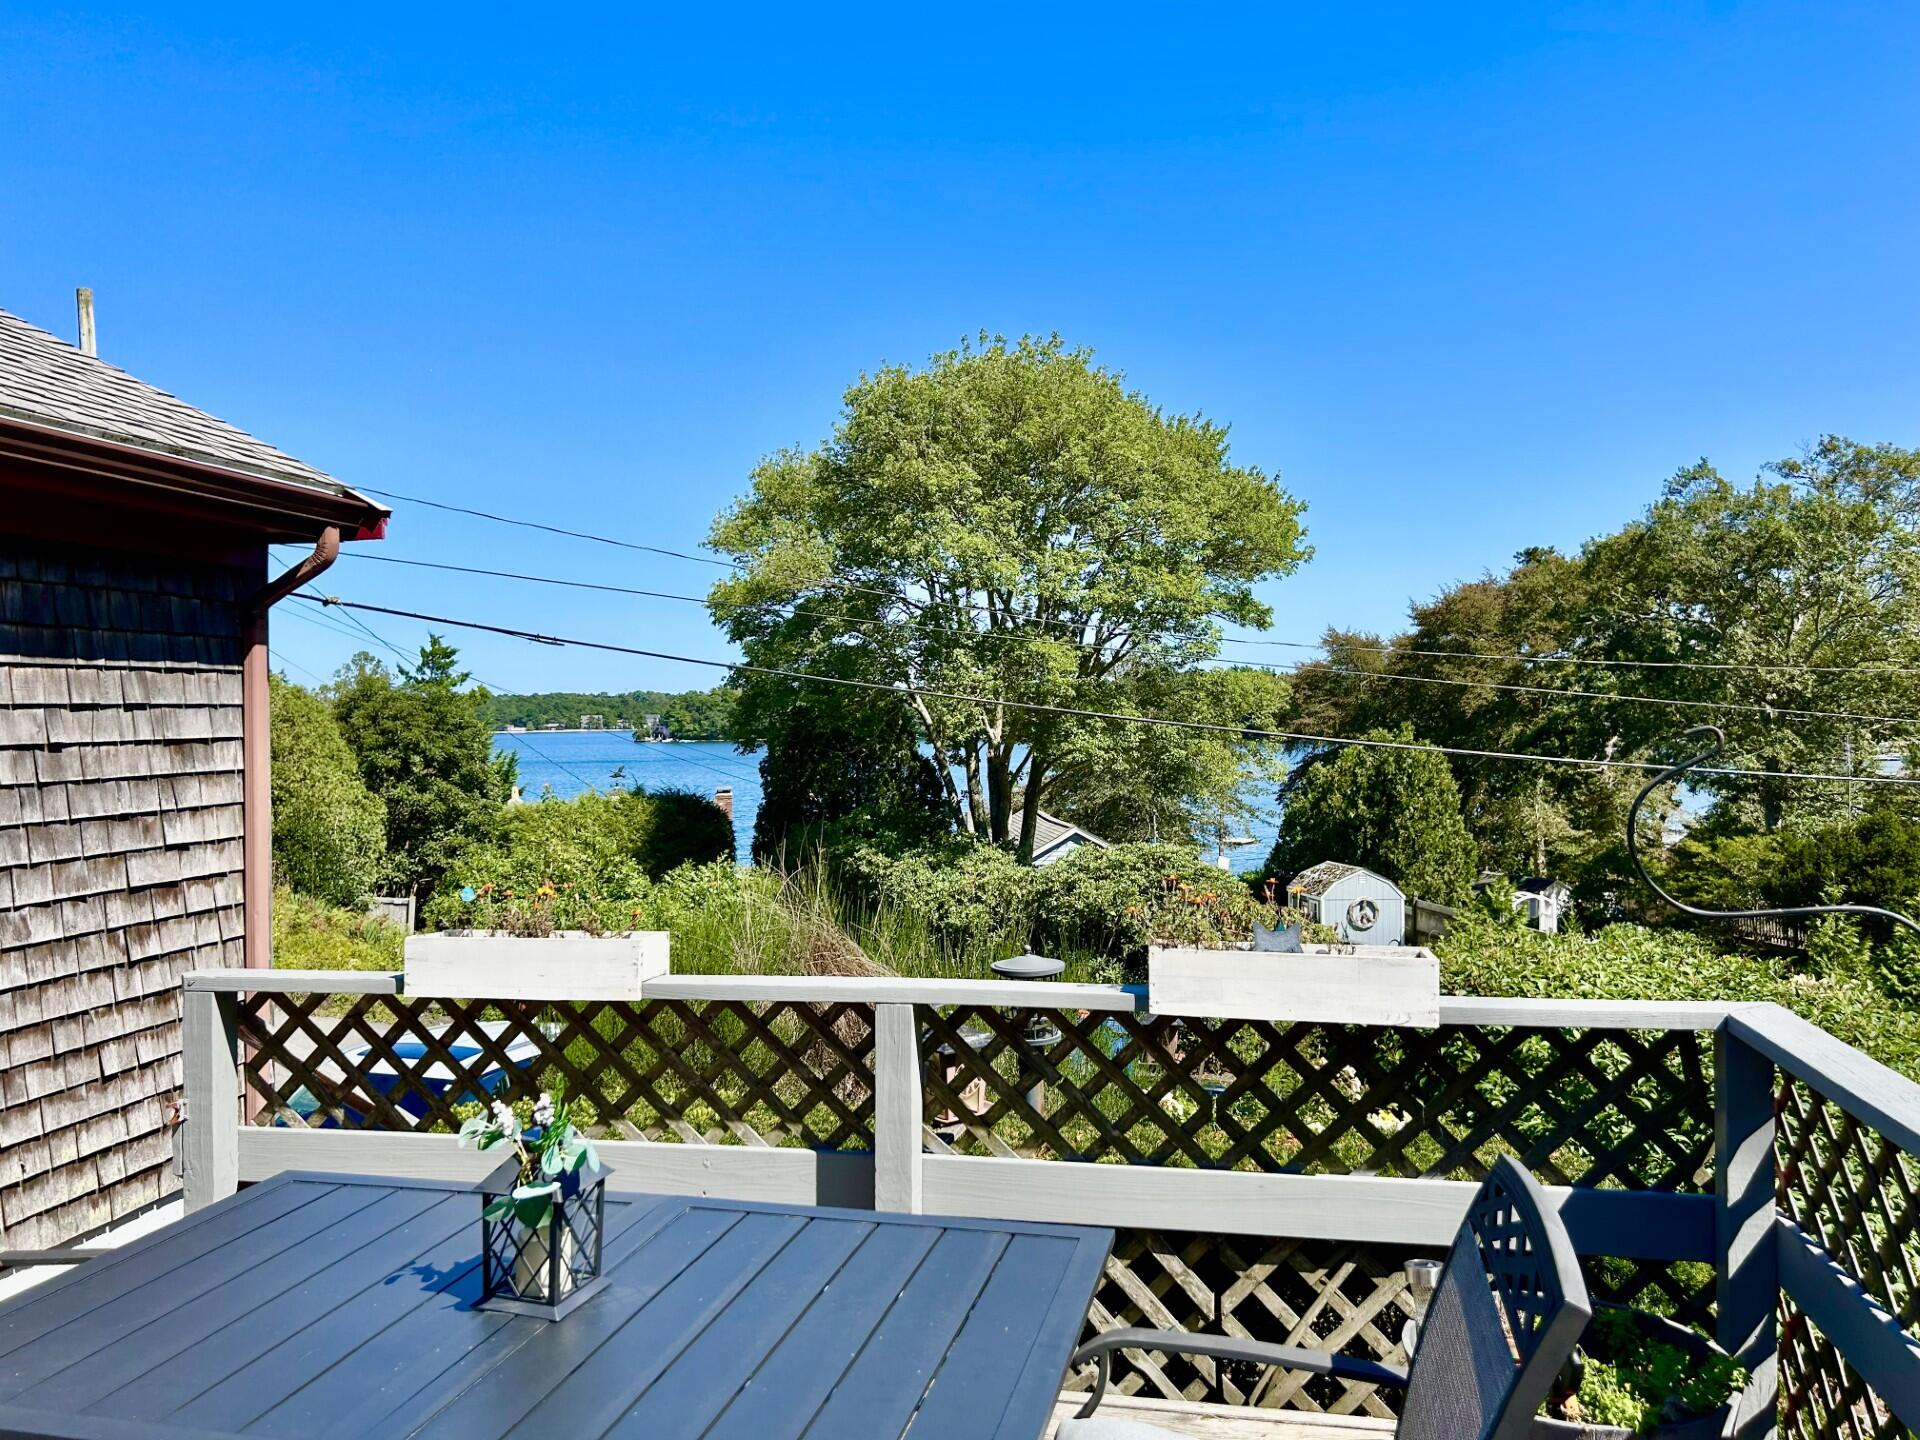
(1730, 1165)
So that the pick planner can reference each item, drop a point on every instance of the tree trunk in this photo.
(999, 794)
(976, 810)
(1030, 807)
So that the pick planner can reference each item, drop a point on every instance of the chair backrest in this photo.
(1509, 1309)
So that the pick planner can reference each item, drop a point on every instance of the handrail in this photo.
(1849, 1077)
(1034, 994)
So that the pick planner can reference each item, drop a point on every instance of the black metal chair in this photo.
(1510, 1306)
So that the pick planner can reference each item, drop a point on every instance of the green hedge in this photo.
(1481, 956)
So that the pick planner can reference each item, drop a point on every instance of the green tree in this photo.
(840, 767)
(1397, 812)
(423, 746)
(1010, 521)
(329, 830)
(1149, 783)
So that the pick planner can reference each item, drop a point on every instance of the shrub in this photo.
(1113, 902)
(1630, 962)
(329, 830)
(680, 828)
(309, 934)
(968, 892)
(555, 865)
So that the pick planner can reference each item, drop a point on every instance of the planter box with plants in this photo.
(499, 965)
(1333, 984)
(1639, 1374)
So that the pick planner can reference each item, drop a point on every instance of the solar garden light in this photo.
(1040, 1033)
(1423, 1278)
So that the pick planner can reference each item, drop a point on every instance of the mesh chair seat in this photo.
(1509, 1309)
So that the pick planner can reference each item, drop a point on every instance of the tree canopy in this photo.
(423, 745)
(1748, 607)
(329, 830)
(1010, 521)
(1397, 812)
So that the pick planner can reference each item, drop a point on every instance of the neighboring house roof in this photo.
(49, 384)
(1318, 879)
(1050, 833)
(1536, 885)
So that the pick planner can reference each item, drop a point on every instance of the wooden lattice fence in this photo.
(701, 1072)
(1852, 1191)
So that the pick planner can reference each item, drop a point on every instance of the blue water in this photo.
(565, 763)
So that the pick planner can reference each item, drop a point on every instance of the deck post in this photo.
(1748, 1284)
(210, 1129)
(898, 1110)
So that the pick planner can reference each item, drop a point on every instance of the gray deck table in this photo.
(328, 1307)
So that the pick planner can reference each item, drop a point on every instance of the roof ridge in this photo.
(47, 381)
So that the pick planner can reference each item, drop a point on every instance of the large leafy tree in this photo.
(1395, 811)
(423, 745)
(329, 830)
(1723, 603)
(1012, 522)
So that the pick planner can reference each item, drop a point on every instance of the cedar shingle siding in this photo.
(120, 866)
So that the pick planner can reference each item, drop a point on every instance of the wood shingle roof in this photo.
(46, 382)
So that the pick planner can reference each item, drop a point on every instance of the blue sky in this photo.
(1469, 278)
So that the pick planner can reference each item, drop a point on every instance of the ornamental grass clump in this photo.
(552, 1151)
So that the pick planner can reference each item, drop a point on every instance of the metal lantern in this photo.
(549, 1270)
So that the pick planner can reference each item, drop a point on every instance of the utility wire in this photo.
(1202, 726)
(1318, 667)
(790, 606)
(833, 582)
(1776, 711)
(521, 736)
(404, 658)
(1514, 657)
(1523, 659)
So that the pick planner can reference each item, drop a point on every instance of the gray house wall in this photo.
(120, 864)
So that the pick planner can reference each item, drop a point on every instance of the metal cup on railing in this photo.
(1040, 1033)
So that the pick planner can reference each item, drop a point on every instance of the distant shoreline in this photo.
(571, 730)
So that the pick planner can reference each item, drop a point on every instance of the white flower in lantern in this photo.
(543, 1110)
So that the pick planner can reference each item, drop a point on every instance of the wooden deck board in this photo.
(1229, 1422)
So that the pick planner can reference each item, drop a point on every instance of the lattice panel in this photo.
(1586, 1107)
(1317, 1293)
(1854, 1192)
(1821, 1396)
(705, 1072)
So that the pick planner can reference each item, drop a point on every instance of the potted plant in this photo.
(543, 1210)
(1638, 1374)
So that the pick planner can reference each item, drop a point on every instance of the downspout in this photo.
(256, 748)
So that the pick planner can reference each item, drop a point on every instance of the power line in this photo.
(542, 754)
(1514, 657)
(1523, 659)
(289, 660)
(404, 658)
(1600, 695)
(792, 607)
(1775, 711)
(1203, 726)
(833, 582)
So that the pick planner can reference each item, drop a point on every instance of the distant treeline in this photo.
(687, 715)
